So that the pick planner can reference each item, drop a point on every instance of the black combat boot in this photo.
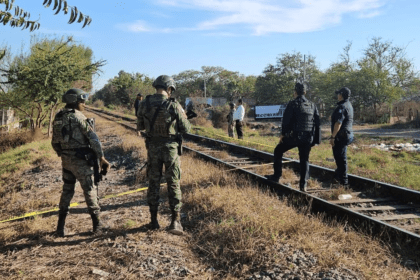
(96, 222)
(272, 178)
(176, 227)
(154, 221)
(303, 188)
(60, 225)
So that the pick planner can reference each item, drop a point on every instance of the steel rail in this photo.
(355, 220)
(315, 204)
(382, 188)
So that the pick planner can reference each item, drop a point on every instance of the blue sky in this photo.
(169, 36)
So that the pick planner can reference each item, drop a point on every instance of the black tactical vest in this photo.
(304, 111)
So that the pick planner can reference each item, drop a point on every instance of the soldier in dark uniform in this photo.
(139, 98)
(164, 121)
(342, 133)
(74, 141)
(300, 125)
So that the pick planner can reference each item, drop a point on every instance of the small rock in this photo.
(100, 272)
(211, 270)
(308, 273)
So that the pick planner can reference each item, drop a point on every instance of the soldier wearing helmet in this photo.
(74, 140)
(164, 121)
(342, 133)
(231, 123)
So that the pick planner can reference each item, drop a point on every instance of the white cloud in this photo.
(269, 16)
(370, 14)
(137, 26)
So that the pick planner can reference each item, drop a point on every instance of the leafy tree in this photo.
(37, 80)
(189, 84)
(271, 88)
(219, 82)
(391, 72)
(123, 89)
(277, 82)
(21, 18)
(382, 76)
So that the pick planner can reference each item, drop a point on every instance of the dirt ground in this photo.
(28, 250)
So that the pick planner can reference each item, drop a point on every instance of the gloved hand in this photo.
(105, 166)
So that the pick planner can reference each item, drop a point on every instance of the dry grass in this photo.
(231, 226)
(236, 226)
(98, 104)
(13, 140)
(334, 193)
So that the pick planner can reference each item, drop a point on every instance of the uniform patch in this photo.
(58, 122)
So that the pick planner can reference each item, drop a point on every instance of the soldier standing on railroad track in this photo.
(164, 121)
(300, 128)
(75, 141)
(341, 134)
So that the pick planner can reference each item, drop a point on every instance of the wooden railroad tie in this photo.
(249, 166)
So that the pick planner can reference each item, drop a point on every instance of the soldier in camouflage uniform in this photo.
(73, 139)
(164, 120)
(231, 123)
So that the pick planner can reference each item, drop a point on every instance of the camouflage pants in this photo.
(231, 129)
(78, 169)
(157, 156)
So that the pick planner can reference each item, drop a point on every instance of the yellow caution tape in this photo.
(27, 215)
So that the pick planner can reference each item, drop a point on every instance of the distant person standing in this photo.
(300, 128)
(238, 117)
(231, 123)
(137, 102)
(342, 133)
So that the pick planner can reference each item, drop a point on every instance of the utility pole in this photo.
(304, 68)
(205, 94)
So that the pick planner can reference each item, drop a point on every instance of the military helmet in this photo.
(74, 95)
(345, 92)
(232, 105)
(164, 81)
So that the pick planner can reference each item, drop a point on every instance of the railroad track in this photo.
(389, 212)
